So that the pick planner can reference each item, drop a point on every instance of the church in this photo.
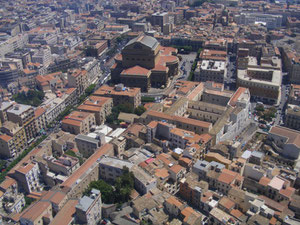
(144, 63)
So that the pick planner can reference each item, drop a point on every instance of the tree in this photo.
(140, 110)
(107, 191)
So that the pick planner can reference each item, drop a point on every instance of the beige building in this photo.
(292, 119)
(263, 81)
(100, 106)
(39, 213)
(121, 94)
(209, 70)
(14, 139)
(78, 79)
(40, 119)
(24, 116)
(78, 122)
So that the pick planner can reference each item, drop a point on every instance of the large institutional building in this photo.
(144, 63)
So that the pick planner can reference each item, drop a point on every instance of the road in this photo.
(230, 76)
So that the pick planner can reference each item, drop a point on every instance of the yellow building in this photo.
(14, 139)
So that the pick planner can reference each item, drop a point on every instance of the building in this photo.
(211, 71)
(111, 168)
(64, 165)
(78, 79)
(264, 81)
(24, 116)
(191, 189)
(121, 94)
(88, 209)
(269, 20)
(40, 119)
(292, 117)
(13, 140)
(287, 141)
(144, 63)
(100, 106)
(88, 144)
(28, 177)
(78, 122)
(159, 19)
(75, 184)
(143, 182)
(43, 56)
(294, 98)
(38, 213)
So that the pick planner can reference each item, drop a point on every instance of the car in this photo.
(191, 61)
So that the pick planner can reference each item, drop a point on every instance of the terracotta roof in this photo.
(34, 211)
(264, 181)
(90, 161)
(8, 182)
(293, 136)
(162, 173)
(227, 176)
(226, 203)
(236, 213)
(174, 201)
(236, 96)
(176, 168)
(65, 215)
(136, 70)
(25, 169)
(39, 111)
(152, 124)
(287, 192)
(5, 137)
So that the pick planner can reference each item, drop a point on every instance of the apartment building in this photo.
(40, 119)
(292, 119)
(88, 144)
(100, 106)
(4, 106)
(28, 177)
(24, 116)
(143, 181)
(14, 134)
(78, 79)
(271, 21)
(211, 71)
(78, 122)
(89, 208)
(111, 168)
(64, 165)
(121, 94)
(294, 97)
(191, 189)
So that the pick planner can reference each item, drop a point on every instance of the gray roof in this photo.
(201, 164)
(115, 162)
(86, 138)
(19, 109)
(145, 40)
(84, 203)
(257, 154)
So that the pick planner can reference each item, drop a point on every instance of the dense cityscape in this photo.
(160, 112)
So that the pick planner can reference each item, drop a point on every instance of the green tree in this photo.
(107, 191)
(140, 110)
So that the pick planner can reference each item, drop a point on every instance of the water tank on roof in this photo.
(119, 87)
